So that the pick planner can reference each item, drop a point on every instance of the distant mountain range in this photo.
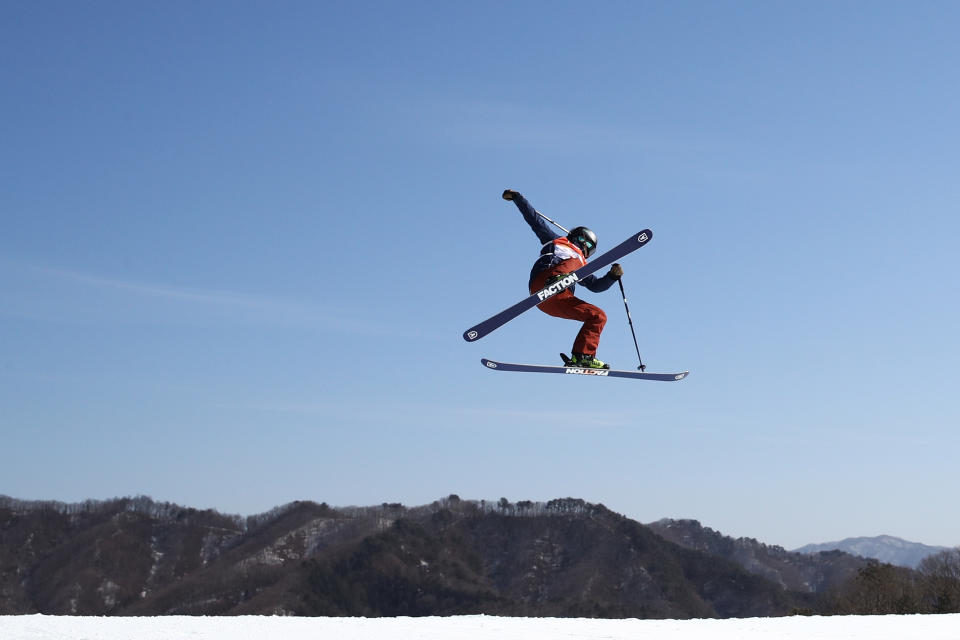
(889, 549)
(566, 557)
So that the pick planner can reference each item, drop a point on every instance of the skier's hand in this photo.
(508, 194)
(616, 271)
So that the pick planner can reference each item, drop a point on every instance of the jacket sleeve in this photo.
(540, 226)
(596, 284)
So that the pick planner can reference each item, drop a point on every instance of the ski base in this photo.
(605, 373)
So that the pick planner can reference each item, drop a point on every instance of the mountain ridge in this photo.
(793, 571)
(885, 548)
(565, 557)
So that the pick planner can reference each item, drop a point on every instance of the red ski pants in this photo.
(566, 305)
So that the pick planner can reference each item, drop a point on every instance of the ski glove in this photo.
(616, 271)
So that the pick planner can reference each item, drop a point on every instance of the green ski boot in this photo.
(583, 361)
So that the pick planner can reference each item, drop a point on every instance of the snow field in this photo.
(40, 627)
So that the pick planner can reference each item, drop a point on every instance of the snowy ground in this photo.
(943, 627)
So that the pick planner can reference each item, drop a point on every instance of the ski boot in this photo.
(583, 361)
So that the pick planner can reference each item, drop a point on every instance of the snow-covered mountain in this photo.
(896, 551)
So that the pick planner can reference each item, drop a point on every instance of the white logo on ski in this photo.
(557, 286)
(643, 238)
(492, 365)
(472, 335)
(589, 372)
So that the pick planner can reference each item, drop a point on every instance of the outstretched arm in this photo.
(540, 227)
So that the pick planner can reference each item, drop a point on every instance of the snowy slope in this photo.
(38, 627)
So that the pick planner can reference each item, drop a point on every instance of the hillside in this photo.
(562, 558)
(791, 570)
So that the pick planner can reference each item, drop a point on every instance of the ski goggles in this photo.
(587, 246)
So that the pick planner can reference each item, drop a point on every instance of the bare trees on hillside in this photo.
(884, 588)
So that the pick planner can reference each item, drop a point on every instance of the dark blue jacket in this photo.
(548, 258)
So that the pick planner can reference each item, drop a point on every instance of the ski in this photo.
(629, 245)
(605, 373)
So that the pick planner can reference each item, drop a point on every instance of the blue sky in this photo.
(241, 241)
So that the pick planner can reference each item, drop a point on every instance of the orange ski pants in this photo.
(566, 305)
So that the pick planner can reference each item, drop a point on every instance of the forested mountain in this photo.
(796, 571)
(134, 556)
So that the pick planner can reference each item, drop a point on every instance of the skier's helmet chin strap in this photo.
(583, 238)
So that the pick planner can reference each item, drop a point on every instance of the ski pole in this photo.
(642, 366)
(556, 224)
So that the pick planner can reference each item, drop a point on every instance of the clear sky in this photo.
(240, 242)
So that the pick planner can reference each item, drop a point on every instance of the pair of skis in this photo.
(603, 373)
(489, 325)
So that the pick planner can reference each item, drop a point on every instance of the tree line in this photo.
(934, 587)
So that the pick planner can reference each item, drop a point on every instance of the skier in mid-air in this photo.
(559, 256)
